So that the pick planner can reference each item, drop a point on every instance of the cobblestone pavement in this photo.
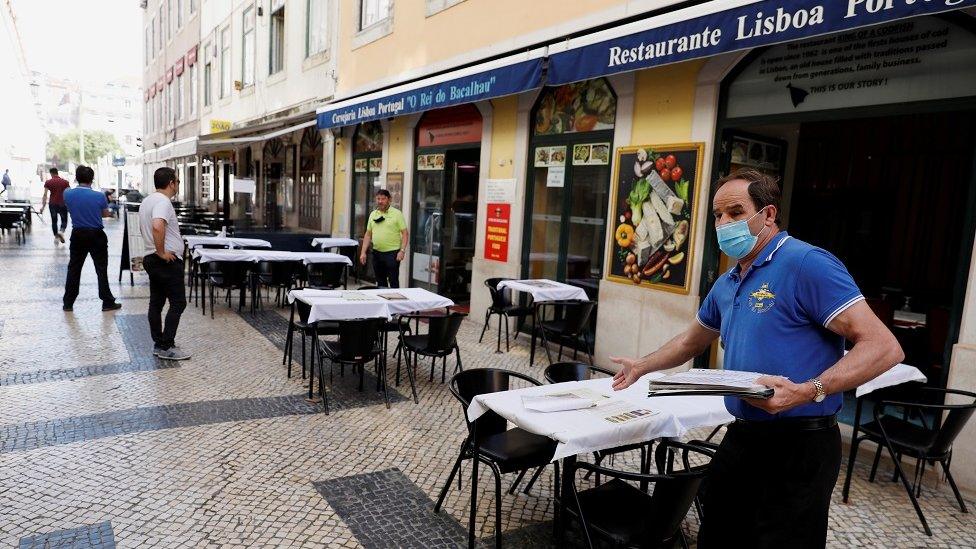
(102, 445)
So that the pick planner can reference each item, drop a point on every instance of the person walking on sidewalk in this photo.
(56, 187)
(163, 261)
(386, 230)
(5, 181)
(87, 208)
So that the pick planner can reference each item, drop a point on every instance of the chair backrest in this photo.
(283, 272)
(442, 331)
(576, 315)
(499, 298)
(325, 275)
(675, 491)
(562, 372)
(953, 422)
(233, 273)
(358, 339)
(467, 384)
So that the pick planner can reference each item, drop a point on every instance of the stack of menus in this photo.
(710, 382)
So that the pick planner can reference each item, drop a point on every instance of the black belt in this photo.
(811, 423)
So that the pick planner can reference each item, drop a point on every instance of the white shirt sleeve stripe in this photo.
(841, 309)
(706, 326)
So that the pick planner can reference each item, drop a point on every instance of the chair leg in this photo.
(303, 354)
(433, 362)
(911, 493)
(444, 369)
(498, 505)
(288, 338)
(532, 479)
(474, 501)
(917, 481)
(850, 466)
(894, 476)
(485, 327)
(498, 340)
(386, 394)
(507, 347)
(518, 480)
(398, 367)
(955, 489)
(874, 466)
(450, 478)
(545, 344)
(457, 355)
(411, 375)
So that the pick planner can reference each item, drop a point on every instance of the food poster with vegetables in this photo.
(654, 196)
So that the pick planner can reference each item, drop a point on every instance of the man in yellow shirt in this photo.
(387, 231)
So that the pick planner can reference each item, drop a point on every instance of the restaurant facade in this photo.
(590, 159)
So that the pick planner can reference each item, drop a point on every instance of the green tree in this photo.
(62, 149)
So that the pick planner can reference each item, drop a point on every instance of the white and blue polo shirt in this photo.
(774, 320)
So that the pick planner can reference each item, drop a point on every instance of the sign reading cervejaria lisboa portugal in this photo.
(673, 38)
(497, 82)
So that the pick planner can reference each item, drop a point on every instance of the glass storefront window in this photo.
(367, 165)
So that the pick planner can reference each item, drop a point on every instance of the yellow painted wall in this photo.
(504, 119)
(340, 200)
(418, 40)
(397, 158)
(664, 100)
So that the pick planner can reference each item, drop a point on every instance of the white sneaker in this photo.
(173, 353)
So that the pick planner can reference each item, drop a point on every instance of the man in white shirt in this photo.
(163, 261)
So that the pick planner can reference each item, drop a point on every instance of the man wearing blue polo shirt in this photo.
(783, 310)
(87, 207)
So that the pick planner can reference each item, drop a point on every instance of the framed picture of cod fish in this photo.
(654, 192)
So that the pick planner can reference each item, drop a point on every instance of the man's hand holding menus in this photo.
(710, 382)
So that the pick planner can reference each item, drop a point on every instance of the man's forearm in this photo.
(673, 353)
(159, 240)
(367, 239)
(865, 361)
(404, 238)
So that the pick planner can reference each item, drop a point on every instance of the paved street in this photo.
(102, 445)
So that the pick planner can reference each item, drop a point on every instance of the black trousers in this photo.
(387, 269)
(58, 210)
(85, 242)
(165, 284)
(770, 486)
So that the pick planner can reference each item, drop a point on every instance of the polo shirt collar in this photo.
(766, 255)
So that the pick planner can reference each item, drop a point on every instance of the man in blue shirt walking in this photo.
(783, 310)
(87, 207)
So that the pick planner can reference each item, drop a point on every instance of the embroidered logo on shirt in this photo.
(762, 299)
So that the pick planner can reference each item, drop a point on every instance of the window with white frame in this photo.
(372, 12)
(276, 50)
(179, 14)
(169, 19)
(173, 105)
(193, 90)
(162, 27)
(180, 93)
(152, 39)
(207, 77)
(193, 6)
(225, 62)
(247, 42)
(148, 45)
(316, 27)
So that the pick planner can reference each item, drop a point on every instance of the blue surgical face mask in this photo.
(735, 239)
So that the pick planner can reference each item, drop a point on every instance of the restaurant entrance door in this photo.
(445, 220)
(889, 188)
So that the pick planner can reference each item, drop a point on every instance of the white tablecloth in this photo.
(208, 254)
(898, 374)
(583, 431)
(554, 291)
(331, 305)
(333, 242)
(193, 241)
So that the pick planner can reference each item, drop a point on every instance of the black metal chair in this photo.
(281, 276)
(328, 276)
(630, 517)
(569, 325)
(307, 330)
(488, 441)
(358, 344)
(901, 436)
(230, 276)
(502, 305)
(440, 341)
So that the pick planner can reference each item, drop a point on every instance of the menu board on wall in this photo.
(655, 191)
(497, 231)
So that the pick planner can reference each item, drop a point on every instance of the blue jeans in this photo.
(56, 211)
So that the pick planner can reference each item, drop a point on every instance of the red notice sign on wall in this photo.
(496, 235)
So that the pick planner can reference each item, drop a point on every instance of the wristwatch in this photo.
(821, 395)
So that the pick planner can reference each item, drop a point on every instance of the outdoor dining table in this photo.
(194, 241)
(543, 290)
(334, 242)
(208, 255)
(385, 303)
(623, 417)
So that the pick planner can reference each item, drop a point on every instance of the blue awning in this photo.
(722, 26)
(506, 76)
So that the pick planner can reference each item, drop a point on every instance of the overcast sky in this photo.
(85, 40)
